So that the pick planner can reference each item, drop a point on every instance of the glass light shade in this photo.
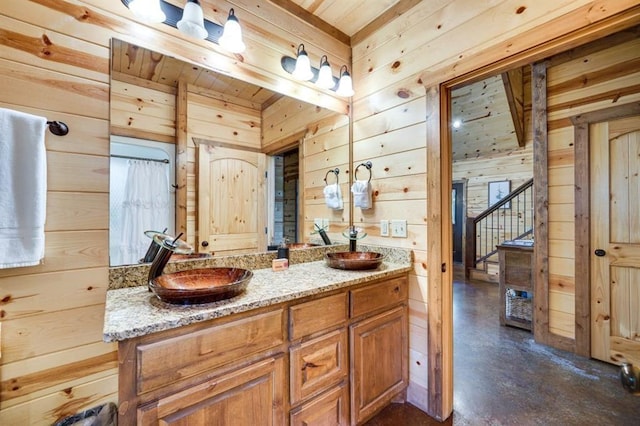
(147, 10)
(231, 39)
(302, 71)
(192, 22)
(345, 85)
(325, 76)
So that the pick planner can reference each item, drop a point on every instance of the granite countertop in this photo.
(134, 311)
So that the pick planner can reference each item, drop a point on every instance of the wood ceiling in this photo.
(131, 63)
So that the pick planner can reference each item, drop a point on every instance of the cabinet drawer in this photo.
(318, 364)
(332, 408)
(172, 359)
(317, 315)
(378, 296)
(247, 397)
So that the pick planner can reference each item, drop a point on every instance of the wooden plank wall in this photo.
(393, 60)
(54, 62)
(323, 139)
(590, 81)
(142, 112)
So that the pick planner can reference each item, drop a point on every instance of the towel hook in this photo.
(335, 171)
(58, 128)
(368, 166)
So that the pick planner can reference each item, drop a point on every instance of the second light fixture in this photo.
(323, 75)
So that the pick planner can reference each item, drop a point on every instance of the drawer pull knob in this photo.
(599, 252)
(396, 290)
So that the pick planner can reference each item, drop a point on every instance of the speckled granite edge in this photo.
(136, 275)
(132, 312)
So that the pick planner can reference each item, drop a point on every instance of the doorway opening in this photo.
(284, 198)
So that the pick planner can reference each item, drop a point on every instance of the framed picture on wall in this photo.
(497, 191)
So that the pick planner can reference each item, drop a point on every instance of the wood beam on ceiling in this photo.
(398, 9)
(514, 87)
(312, 19)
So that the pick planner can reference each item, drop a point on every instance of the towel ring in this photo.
(335, 171)
(368, 166)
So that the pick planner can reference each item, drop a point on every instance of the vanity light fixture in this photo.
(302, 71)
(231, 38)
(147, 10)
(345, 85)
(228, 37)
(192, 22)
(325, 76)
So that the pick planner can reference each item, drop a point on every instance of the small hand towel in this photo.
(23, 199)
(361, 190)
(333, 196)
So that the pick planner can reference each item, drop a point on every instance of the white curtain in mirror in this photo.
(145, 206)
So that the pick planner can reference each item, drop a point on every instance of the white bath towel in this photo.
(333, 196)
(23, 198)
(361, 190)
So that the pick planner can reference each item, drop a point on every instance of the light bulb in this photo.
(302, 70)
(192, 22)
(345, 85)
(231, 39)
(325, 76)
(147, 10)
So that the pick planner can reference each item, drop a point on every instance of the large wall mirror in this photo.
(231, 165)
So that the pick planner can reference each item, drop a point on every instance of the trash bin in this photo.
(102, 415)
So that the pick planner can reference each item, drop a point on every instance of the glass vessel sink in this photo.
(354, 260)
(200, 285)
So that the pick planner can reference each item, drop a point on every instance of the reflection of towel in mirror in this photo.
(333, 197)
(361, 190)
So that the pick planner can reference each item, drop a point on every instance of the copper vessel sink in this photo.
(191, 256)
(200, 285)
(354, 260)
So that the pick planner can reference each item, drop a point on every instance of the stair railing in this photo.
(497, 224)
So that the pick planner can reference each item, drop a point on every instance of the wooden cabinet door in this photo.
(232, 200)
(251, 396)
(379, 362)
(318, 364)
(615, 230)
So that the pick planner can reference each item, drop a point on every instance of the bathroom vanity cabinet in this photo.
(332, 358)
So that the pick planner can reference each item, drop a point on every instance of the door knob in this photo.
(599, 252)
(205, 244)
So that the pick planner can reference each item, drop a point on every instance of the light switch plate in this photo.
(399, 228)
(384, 228)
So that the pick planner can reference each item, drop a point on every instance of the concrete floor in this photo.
(502, 377)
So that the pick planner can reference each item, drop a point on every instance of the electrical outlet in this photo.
(317, 223)
(399, 228)
(325, 223)
(384, 228)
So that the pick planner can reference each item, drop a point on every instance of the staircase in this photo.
(511, 218)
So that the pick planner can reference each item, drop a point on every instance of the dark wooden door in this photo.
(457, 194)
